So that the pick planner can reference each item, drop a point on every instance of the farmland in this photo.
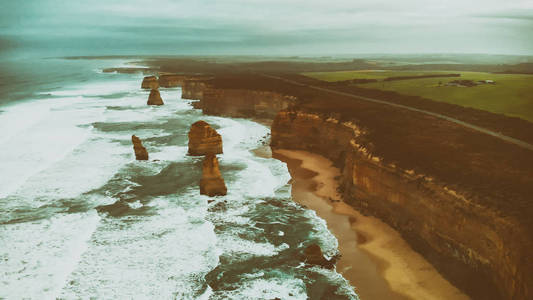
(512, 94)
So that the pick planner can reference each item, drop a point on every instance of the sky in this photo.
(266, 27)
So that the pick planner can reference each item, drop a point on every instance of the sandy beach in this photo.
(375, 259)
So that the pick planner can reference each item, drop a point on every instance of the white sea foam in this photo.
(38, 256)
(38, 146)
(164, 254)
(328, 242)
(344, 286)
(241, 136)
(145, 258)
(99, 88)
(256, 287)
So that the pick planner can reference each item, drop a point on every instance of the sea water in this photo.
(81, 218)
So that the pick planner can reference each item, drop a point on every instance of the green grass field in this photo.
(367, 74)
(511, 95)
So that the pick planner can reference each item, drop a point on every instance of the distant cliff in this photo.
(175, 80)
(194, 88)
(240, 102)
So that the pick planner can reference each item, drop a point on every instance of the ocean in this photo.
(80, 218)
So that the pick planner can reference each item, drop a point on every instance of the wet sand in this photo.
(375, 259)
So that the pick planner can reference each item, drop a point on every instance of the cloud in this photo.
(518, 15)
(274, 26)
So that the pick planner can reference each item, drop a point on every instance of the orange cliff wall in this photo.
(175, 80)
(193, 89)
(239, 102)
(479, 251)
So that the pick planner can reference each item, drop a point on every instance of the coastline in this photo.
(375, 258)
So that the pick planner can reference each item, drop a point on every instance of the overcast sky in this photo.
(288, 27)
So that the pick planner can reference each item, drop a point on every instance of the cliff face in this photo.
(212, 183)
(171, 80)
(150, 82)
(175, 80)
(203, 139)
(459, 197)
(138, 148)
(243, 103)
(475, 247)
(193, 89)
(155, 98)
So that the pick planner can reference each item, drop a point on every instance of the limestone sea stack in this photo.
(155, 98)
(203, 139)
(140, 151)
(150, 82)
(212, 183)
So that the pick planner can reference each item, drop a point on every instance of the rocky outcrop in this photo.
(313, 256)
(212, 183)
(479, 248)
(138, 148)
(171, 80)
(155, 98)
(175, 80)
(194, 89)
(243, 103)
(203, 139)
(150, 82)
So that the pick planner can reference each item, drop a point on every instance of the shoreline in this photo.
(375, 258)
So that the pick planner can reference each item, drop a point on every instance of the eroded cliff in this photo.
(194, 89)
(483, 249)
(175, 80)
(461, 198)
(243, 103)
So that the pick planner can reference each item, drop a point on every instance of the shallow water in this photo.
(80, 217)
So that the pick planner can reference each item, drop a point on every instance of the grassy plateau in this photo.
(512, 94)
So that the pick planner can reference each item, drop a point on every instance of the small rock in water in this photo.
(140, 151)
(313, 256)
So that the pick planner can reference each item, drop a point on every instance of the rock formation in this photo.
(241, 103)
(194, 89)
(212, 183)
(171, 80)
(155, 98)
(150, 82)
(175, 80)
(203, 139)
(140, 151)
(313, 256)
